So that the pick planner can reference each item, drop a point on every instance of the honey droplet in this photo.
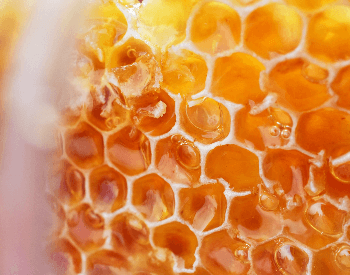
(291, 260)
(241, 253)
(188, 156)
(313, 72)
(268, 201)
(343, 257)
(275, 131)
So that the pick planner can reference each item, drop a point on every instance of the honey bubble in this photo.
(291, 260)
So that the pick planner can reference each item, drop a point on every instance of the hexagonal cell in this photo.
(86, 227)
(108, 189)
(341, 87)
(129, 150)
(279, 256)
(316, 225)
(203, 207)
(205, 119)
(236, 78)
(154, 113)
(236, 165)
(269, 128)
(334, 259)
(216, 28)
(255, 217)
(106, 26)
(84, 146)
(222, 254)
(67, 183)
(299, 84)
(64, 257)
(106, 262)
(323, 129)
(130, 235)
(170, 17)
(178, 159)
(179, 239)
(183, 73)
(153, 197)
(289, 170)
(273, 29)
(328, 34)
(310, 5)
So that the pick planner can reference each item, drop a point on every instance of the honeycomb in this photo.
(212, 137)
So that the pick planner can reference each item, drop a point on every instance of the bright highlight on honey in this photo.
(213, 138)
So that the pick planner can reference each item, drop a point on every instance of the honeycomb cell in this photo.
(178, 159)
(273, 29)
(129, 150)
(236, 78)
(341, 87)
(183, 73)
(315, 225)
(222, 254)
(205, 119)
(64, 258)
(163, 23)
(86, 227)
(108, 189)
(130, 235)
(154, 113)
(289, 170)
(203, 207)
(324, 129)
(103, 114)
(333, 260)
(270, 128)
(153, 197)
(299, 84)
(68, 183)
(216, 28)
(179, 239)
(236, 165)
(107, 262)
(84, 146)
(253, 218)
(279, 256)
(328, 34)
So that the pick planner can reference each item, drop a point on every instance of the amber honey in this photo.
(214, 139)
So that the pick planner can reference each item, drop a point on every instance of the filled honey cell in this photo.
(310, 5)
(129, 150)
(324, 129)
(84, 146)
(273, 29)
(68, 183)
(64, 258)
(299, 84)
(236, 165)
(108, 189)
(341, 87)
(328, 34)
(255, 217)
(163, 23)
(153, 197)
(236, 78)
(222, 254)
(154, 113)
(130, 235)
(183, 73)
(178, 159)
(316, 225)
(203, 207)
(333, 260)
(86, 227)
(106, 262)
(279, 256)
(216, 28)
(179, 239)
(205, 119)
(270, 128)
